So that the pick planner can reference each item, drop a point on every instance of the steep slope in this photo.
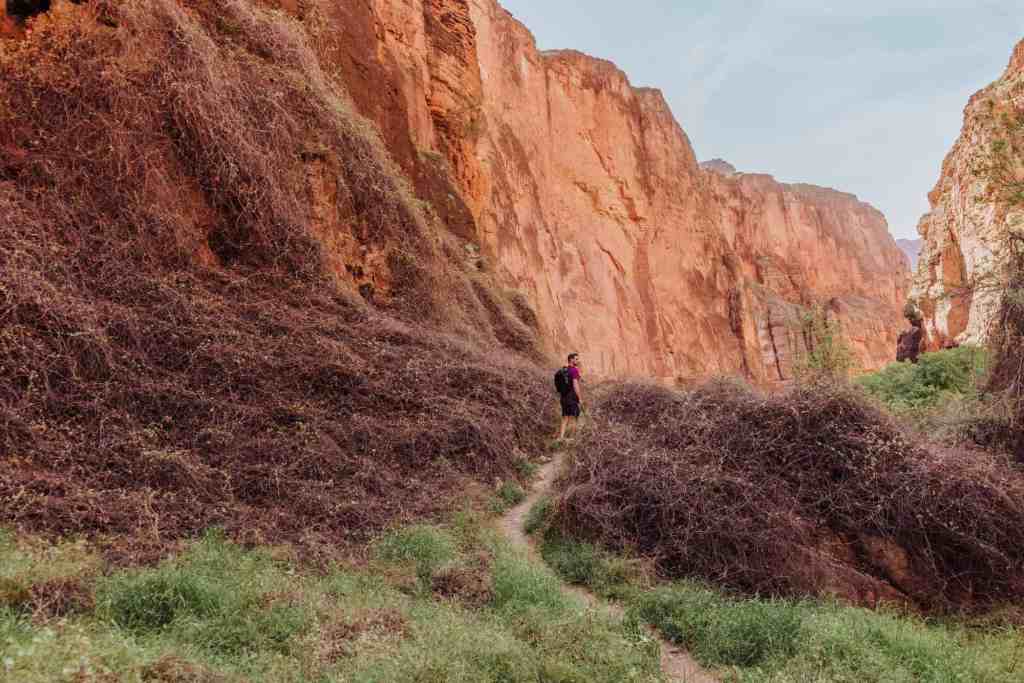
(582, 193)
(226, 298)
(630, 251)
(221, 303)
(972, 217)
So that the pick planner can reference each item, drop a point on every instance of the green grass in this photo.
(427, 548)
(221, 612)
(537, 516)
(935, 378)
(765, 640)
(512, 493)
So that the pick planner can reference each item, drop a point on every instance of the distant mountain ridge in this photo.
(912, 248)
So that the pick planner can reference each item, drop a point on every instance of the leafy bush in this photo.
(934, 378)
(821, 350)
(511, 493)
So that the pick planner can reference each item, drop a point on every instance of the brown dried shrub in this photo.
(172, 669)
(729, 485)
(337, 637)
(176, 349)
(1006, 346)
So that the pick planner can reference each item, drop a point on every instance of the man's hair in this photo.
(573, 355)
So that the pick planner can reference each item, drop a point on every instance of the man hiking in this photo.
(567, 383)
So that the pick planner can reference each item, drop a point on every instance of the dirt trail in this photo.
(676, 664)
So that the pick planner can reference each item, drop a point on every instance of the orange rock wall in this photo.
(583, 193)
(639, 258)
(956, 283)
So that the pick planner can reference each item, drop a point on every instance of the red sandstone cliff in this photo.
(957, 280)
(583, 193)
(598, 209)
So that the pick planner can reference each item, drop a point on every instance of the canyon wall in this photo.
(583, 194)
(957, 281)
(636, 255)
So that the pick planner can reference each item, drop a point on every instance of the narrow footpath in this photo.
(676, 664)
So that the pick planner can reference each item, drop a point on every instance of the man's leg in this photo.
(573, 422)
(561, 433)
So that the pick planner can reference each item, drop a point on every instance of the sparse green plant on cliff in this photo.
(820, 349)
(1001, 166)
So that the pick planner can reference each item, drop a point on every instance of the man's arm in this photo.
(576, 384)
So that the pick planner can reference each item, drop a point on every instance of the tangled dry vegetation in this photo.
(814, 491)
(1006, 343)
(176, 348)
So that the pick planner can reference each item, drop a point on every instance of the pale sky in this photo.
(866, 97)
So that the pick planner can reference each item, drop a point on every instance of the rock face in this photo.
(720, 166)
(908, 347)
(966, 232)
(583, 194)
(632, 253)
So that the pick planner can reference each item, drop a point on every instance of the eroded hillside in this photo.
(583, 193)
(254, 249)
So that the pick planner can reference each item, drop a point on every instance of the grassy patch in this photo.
(537, 517)
(426, 548)
(511, 493)
(719, 631)
(218, 612)
(217, 599)
(786, 640)
(584, 564)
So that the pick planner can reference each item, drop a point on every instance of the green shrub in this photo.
(427, 547)
(821, 351)
(935, 377)
(538, 515)
(149, 601)
(512, 493)
(525, 468)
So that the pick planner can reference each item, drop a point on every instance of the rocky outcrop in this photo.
(957, 284)
(908, 347)
(720, 166)
(798, 244)
(583, 194)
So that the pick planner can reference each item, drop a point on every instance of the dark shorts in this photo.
(571, 405)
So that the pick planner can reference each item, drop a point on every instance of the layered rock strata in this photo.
(957, 283)
(583, 193)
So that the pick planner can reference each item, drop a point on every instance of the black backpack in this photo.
(563, 381)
